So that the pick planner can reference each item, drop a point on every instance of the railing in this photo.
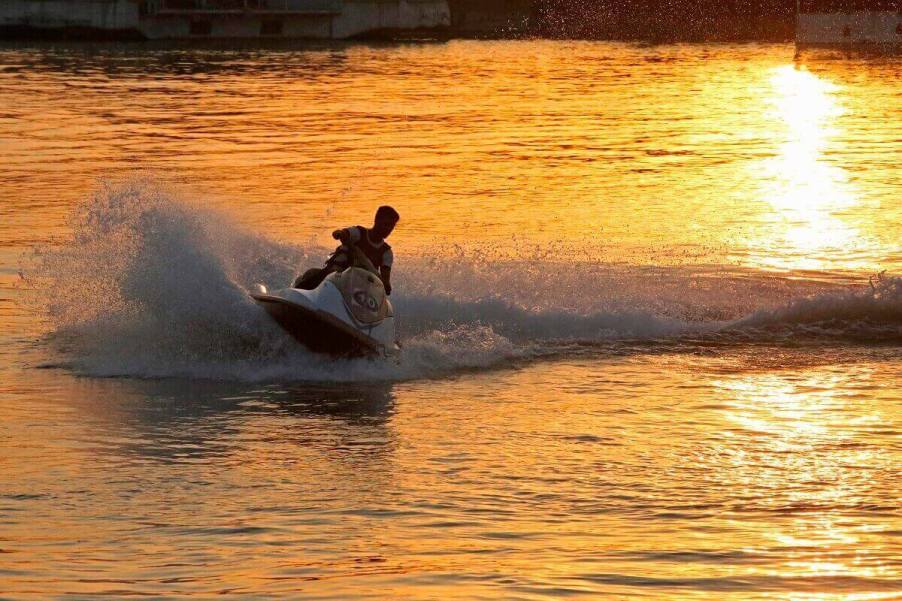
(249, 6)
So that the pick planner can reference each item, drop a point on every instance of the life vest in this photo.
(374, 252)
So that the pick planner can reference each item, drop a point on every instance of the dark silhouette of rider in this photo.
(370, 241)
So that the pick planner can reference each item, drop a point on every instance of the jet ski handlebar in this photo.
(356, 258)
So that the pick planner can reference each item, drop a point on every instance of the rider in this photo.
(370, 241)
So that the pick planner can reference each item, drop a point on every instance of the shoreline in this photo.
(27, 33)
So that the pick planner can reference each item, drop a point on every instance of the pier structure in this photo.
(75, 18)
(179, 19)
(873, 24)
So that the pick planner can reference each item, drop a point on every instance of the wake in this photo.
(150, 285)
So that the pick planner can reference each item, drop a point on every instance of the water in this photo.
(642, 354)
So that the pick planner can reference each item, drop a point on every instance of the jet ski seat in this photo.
(354, 257)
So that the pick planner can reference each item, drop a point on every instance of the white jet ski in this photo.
(347, 315)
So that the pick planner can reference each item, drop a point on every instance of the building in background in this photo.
(161, 19)
(850, 23)
(77, 18)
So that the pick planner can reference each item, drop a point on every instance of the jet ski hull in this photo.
(318, 330)
(347, 315)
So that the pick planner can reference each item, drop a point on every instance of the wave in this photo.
(152, 285)
(868, 314)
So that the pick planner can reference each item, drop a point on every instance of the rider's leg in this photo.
(310, 279)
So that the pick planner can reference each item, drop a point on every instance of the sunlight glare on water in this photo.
(808, 193)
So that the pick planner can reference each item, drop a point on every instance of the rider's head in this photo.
(386, 219)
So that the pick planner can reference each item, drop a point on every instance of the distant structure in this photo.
(178, 19)
(666, 21)
(866, 24)
(95, 18)
(492, 18)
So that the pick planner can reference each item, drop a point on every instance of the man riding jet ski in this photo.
(371, 242)
(343, 308)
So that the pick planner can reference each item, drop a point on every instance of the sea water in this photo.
(646, 295)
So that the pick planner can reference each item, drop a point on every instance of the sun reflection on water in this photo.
(800, 430)
(805, 191)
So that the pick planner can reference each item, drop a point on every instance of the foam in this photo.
(153, 285)
(865, 313)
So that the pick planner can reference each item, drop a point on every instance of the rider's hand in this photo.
(337, 234)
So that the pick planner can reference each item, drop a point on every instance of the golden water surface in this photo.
(642, 357)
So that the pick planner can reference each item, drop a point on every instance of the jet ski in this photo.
(347, 315)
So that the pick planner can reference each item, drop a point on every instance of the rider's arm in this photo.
(346, 235)
(385, 274)
(385, 271)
